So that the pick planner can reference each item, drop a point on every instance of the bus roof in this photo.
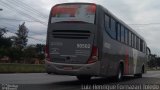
(75, 3)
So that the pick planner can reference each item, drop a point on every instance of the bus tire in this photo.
(119, 76)
(48, 72)
(82, 78)
(138, 75)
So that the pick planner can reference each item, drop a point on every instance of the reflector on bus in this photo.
(70, 13)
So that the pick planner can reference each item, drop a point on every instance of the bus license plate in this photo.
(68, 68)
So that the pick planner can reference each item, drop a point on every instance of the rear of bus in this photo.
(71, 47)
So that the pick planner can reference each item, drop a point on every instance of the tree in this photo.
(29, 54)
(2, 32)
(40, 48)
(154, 62)
(21, 38)
(5, 42)
(40, 52)
(158, 61)
(33, 52)
(15, 54)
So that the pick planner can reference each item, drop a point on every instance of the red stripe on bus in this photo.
(126, 71)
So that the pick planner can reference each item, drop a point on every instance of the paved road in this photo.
(43, 81)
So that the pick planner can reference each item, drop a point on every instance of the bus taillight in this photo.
(47, 56)
(94, 55)
(91, 8)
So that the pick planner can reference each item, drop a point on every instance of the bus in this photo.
(86, 40)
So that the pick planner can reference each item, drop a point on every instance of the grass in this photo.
(32, 68)
(21, 68)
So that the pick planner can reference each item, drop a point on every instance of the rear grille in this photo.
(71, 34)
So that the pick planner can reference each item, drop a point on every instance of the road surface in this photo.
(43, 81)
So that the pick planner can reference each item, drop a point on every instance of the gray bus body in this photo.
(94, 49)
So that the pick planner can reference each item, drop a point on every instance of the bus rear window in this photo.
(73, 13)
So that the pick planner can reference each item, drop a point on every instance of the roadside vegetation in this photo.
(16, 56)
(153, 63)
(21, 68)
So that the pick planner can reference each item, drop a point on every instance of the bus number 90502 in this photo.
(83, 45)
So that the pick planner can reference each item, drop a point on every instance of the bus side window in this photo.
(113, 28)
(110, 25)
(107, 22)
(130, 39)
(126, 36)
(135, 41)
(118, 32)
(138, 43)
(144, 47)
(141, 45)
(122, 34)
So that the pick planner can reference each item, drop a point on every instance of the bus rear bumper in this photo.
(73, 69)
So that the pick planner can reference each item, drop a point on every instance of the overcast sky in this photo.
(141, 15)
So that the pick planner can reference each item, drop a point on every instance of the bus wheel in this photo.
(82, 78)
(48, 72)
(119, 75)
(140, 74)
